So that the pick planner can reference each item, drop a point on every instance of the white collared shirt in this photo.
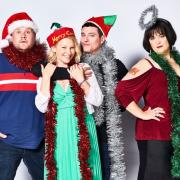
(93, 98)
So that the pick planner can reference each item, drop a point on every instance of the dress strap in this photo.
(150, 62)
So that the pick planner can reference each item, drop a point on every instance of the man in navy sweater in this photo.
(21, 124)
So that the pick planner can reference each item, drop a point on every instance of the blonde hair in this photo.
(51, 55)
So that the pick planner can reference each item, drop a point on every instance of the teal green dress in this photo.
(66, 146)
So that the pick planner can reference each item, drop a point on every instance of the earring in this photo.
(173, 48)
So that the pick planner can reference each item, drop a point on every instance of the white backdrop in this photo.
(125, 37)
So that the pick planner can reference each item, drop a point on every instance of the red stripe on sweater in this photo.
(9, 76)
(18, 87)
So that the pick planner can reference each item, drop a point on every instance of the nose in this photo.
(23, 35)
(68, 51)
(158, 40)
(85, 38)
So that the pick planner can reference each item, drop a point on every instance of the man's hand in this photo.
(3, 135)
(87, 71)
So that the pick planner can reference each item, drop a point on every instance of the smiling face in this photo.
(91, 41)
(159, 43)
(65, 51)
(23, 38)
(161, 31)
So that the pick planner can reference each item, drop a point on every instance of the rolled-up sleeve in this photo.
(41, 100)
(94, 96)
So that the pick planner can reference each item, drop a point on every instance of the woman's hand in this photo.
(77, 73)
(48, 71)
(149, 114)
(155, 114)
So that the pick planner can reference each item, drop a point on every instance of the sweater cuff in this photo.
(43, 97)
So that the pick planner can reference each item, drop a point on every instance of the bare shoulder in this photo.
(143, 64)
(139, 68)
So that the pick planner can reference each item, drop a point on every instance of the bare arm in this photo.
(47, 72)
(93, 93)
(77, 73)
(43, 88)
(138, 69)
(149, 114)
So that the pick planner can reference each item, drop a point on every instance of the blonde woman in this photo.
(71, 140)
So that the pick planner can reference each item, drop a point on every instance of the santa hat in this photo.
(17, 20)
(104, 23)
(59, 34)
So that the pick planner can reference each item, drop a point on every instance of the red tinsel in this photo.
(50, 135)
(25, 60)
(84, 142)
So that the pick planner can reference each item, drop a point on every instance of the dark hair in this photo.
(161, 26)
(89, 24)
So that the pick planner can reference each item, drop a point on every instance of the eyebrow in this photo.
(89, 33)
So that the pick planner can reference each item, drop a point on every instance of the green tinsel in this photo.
(173, 93)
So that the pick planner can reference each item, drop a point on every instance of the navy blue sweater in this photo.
(20, 120)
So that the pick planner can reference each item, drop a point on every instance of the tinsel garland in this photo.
(84, 142)
(114, 129)
(152, 9)
(173, 93)
(25, 60)
(104, 66)
(50, 134)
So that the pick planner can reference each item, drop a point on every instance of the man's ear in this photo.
(103, 38)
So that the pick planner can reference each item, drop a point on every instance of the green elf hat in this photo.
(104, 23)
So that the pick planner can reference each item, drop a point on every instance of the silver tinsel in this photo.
(112, 115)
(153, 19)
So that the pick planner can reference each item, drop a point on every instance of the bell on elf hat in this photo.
(104, 23)
(17, 20)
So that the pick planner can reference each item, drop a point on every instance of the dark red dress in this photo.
(153, 87)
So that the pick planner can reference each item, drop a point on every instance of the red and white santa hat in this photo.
(17, 20)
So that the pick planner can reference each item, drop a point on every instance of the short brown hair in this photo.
(161, 26)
